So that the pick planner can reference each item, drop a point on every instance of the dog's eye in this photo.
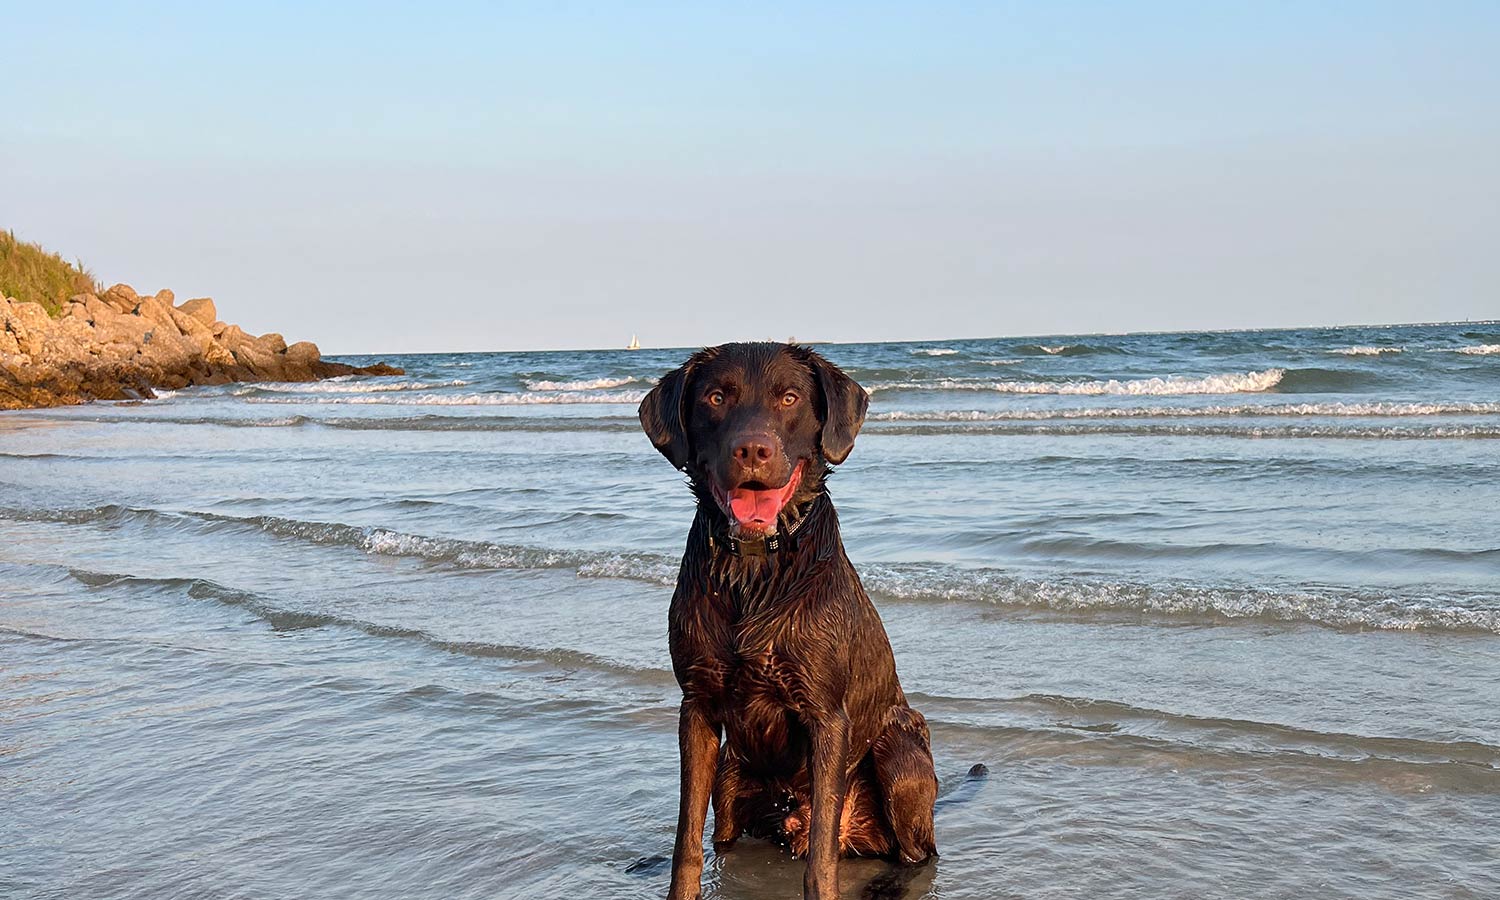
(790, 398)
(715, 398)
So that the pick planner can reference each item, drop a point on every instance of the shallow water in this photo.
(1220, 611)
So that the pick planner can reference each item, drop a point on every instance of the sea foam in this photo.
(1361, 410)
(1232, 383)
(1366, 351)
(910, 582)
(480, 399)
(592, 384)
(336, 386)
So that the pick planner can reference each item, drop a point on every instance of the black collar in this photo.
(783, 538)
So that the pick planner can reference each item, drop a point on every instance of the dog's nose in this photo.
(753, 450)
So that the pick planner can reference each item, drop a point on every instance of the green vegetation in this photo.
(27, 272)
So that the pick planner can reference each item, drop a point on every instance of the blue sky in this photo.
(464, 177)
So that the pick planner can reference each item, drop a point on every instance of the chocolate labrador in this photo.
(793, 722)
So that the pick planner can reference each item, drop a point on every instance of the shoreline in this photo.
(120, 345)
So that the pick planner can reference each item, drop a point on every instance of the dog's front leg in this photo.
(830, 755)
(698, 743)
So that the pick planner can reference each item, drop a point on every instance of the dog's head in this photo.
(755, 426)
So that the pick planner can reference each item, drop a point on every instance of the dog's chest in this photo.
(761, 696)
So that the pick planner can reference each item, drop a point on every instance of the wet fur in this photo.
(792, 714)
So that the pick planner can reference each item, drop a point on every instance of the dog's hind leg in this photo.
(903, 768)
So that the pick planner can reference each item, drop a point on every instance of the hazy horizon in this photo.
(467, 178)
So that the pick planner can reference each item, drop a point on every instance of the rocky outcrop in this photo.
(120, 345)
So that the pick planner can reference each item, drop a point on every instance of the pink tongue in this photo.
(760, 507)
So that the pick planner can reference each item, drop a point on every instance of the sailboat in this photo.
(634, 344)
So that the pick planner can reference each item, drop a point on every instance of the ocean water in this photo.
(1220, 611)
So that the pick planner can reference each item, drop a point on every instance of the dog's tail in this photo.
(964, 789)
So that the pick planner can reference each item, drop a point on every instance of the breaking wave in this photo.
(1480, 350)
(491, 398)
(1146, 429)
(1063, 350)
(337, 386)
(1234, 383)
(592, 384)
(916, 582)
(1367, 351)
(934, 351)
(909, 582)
(382, 542)
(1359, 410)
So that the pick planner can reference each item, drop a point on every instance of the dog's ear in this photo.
(844, 405)
(664, 414)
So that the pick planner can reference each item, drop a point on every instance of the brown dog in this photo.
(792, 721)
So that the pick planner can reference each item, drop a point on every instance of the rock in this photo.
(99, 311)
(123, 330)
(262, 363)
(122, 297)
(159, 313)
(119, 345)
(29, 323)
(215, 355)
(233, 337)
(166, 355)
(303, 353)
(201, 309)
(189, 325)
(300, 361)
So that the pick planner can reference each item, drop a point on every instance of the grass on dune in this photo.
(28, 272)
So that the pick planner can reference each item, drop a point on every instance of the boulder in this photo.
(71, 341)
(300, 361)
(159, 313)
(215, 355)
(303, 353)
(202, 309)
(166, 297)
(29, 322)
(234, 338)
(130, 330)
(271, 342)
(118, 353)
(99, 311)
(121, 296)
(189, 325)
(262, 363)
(167, 354)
